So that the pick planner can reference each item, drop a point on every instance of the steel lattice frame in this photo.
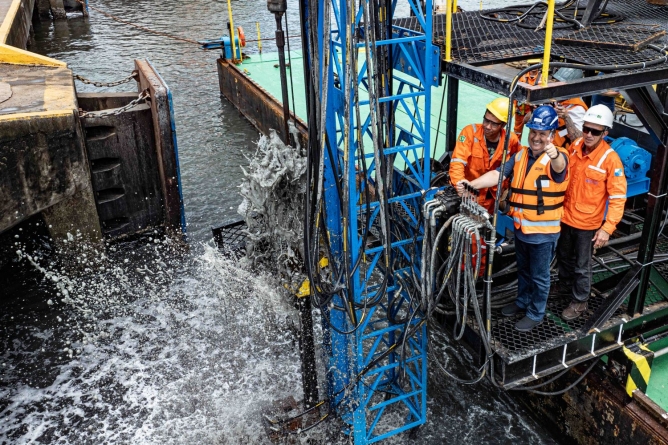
(378, 382)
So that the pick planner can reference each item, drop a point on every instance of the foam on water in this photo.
(191, 352)
(154, 358)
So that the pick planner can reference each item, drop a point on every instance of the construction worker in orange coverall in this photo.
(479, 148)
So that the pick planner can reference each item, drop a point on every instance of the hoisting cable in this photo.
(292, 86)
(525, 11)
(440, 114)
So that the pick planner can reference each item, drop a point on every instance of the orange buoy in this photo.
(242, 36)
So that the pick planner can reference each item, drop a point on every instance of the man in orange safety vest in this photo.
(538, 186)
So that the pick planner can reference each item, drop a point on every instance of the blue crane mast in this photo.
(369, 95)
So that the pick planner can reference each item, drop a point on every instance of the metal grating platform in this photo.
(230, 237)
(512, 345)
(629, 37)
(477, 41)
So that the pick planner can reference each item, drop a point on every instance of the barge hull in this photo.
(262, 109)
(595, 411)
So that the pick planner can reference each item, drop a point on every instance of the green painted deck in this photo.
(263, 69)
(657, 389)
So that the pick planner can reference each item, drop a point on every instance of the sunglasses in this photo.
(592, 131)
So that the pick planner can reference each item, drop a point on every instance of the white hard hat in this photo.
(599, 114)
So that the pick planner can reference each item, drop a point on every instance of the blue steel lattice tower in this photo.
(374, 83)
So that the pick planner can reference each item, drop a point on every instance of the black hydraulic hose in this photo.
(473, 381)
(624, 239)
(542, 384)
(569, 387)
(531, 7)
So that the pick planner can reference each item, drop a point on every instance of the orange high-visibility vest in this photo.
(536, 203)
(561, 138)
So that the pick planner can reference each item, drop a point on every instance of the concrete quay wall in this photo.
(43, 163)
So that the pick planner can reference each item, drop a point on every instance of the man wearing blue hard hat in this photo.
(538, 186)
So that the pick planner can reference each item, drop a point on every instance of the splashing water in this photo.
(273, 194)
(172, 347)
(164, 348)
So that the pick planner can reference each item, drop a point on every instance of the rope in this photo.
(292, 86)
(152, 31)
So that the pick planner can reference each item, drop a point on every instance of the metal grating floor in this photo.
(553, 331)
(513, 345)
(630, 37)
(477, 41)
(230, 238)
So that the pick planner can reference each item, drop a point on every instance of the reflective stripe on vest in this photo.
(527, 223)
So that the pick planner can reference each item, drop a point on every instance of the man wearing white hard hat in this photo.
(597, 179)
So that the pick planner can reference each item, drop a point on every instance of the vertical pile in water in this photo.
(273, 193)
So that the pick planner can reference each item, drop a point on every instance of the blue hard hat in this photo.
(544, 118)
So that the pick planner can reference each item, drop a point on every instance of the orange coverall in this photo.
(470, 159)
(596, 179)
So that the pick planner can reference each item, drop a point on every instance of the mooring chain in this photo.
(116, 111)
(133, 76)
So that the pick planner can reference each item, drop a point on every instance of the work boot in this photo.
(526, 324)
(574, 310)
(511, 309)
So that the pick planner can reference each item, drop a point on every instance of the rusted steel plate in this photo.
(596, 411)
(165, 141)
(262, 109)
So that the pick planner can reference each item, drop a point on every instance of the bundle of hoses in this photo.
(568, 15)
(459, 272)
(323, 157)
(339, 177)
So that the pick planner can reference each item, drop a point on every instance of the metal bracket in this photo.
(616, 298)
(591, 12)
(649, 109)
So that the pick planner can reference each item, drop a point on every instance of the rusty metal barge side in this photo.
(262, 109)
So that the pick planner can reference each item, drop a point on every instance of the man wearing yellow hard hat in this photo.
(480, 146)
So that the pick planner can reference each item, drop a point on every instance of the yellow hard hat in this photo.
(499, 108)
